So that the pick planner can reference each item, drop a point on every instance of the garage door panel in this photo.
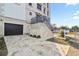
(13, 29)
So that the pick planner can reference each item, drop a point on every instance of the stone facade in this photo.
(42, 30)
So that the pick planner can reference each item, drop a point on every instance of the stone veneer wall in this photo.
(42, 30)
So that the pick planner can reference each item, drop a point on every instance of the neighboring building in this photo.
(66, 31)
(19, 16)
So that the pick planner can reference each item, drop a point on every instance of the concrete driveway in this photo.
(24, 45)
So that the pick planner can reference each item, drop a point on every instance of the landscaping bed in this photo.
(66, 41)
(57, 40)
(3, 48)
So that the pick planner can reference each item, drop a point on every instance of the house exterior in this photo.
(16, 18)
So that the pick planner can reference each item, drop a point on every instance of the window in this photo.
(44, 10)
(38, 6)
(44, 3)
(30, 13)
(48, 13)
(47, 5)
(30, 4)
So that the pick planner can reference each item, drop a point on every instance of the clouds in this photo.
(72, 4)
(66, 1)
(65, 15)
(76, 15)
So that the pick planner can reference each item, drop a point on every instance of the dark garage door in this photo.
(13, 29)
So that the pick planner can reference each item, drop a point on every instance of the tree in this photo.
(64, 27)
(54, 27)
(75, 28)
(62, 33)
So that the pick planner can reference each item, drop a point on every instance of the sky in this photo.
(64, 14)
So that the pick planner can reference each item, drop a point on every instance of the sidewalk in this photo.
(73, 52)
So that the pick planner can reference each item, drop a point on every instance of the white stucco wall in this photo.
(14, 10)
(21, 10)
(1, 28)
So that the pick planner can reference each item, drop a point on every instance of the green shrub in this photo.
(30, 35)
(51, 39)
(38, 36)
(57, 40)
(34, 36)
(62, 34)
(68, 39)
(2, 43)
(3, 47)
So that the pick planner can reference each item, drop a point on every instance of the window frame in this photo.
(30, 4)
(39, 6)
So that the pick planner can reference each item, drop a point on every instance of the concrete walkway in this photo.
(73, 52)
